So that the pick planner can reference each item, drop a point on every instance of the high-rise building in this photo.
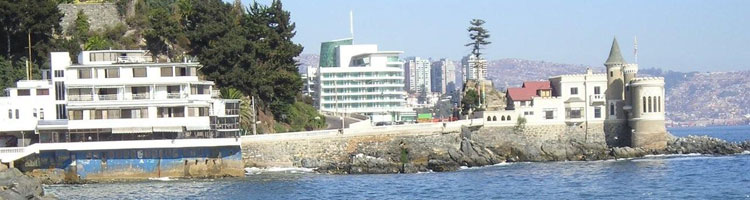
(443, 76)
(308, 80)
(474, 68)
(417, 71)
(360, 79)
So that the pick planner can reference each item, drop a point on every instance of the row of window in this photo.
(355, 90)
(35, 113)
(137, 113)
(361, 74)
(27, 92)
(363, 98)
(502, 118)
(651, 104)
(362, 105)
(362, 82)
(138, 72)
(574, 90)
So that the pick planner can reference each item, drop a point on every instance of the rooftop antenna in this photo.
(635, 48)
(351, 23)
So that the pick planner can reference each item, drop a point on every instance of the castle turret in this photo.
(615, 83)
(629, 73)
(647, 113)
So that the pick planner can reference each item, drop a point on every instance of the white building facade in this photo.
(117, 95)
(418, 75)
(474, 68)
(361, 79)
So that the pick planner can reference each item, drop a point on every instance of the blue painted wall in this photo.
(144, 160)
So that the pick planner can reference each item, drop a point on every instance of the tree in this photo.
(80, 28)
(479, 36)
(96, 42)
(469, 102)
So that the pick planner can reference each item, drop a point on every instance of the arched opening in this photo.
(508, 118)
(612, 108)
(643, 104)
(494, 118)
(489, 118)
(659, 103)
(502, 118)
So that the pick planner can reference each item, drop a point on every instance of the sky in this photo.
(680, 35)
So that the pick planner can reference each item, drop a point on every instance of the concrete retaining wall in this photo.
(101, 15)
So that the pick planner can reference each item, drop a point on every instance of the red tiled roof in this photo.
(528, 90)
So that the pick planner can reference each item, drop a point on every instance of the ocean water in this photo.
(652, 177)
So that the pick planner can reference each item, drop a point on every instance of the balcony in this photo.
(596, 98)
(141, 96)
(134, 59)
(80, 98)
(107, 97)
(173, 95)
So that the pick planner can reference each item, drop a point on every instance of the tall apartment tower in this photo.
(474, 68)
(443, 76)
(418, 77)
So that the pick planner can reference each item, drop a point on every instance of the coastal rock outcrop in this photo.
(703, 145)
(16, 185)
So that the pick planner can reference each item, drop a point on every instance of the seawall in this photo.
(423, 147)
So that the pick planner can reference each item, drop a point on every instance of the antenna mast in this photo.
(351, 23)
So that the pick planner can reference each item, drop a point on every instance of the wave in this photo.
(289, 170)
(671, 155)
(480, 167)
(162, 179)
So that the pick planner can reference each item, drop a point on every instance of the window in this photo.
(17, 115)
(168, 112)
(140, 92)
(61, 111)
(75, 114)
(649, 104)
(598, 112)
(597, 90)
(180, 71)
(523, 103)
(528, 113)
(112, 73)
(166, 71)
(612, 108)
(10, 113)
(573, 91)
(198, 112)
(611, 73)
(84, 73)
(139, 72)
(41, 113)
(658, 104)
(549, 114)
(643, 104)
(574, 113)
(134, 113)
(59, 73)
(23, 92)
(42, 92)
(199, 89)
(59, 90)
(33, 113)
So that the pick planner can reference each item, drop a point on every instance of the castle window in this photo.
(659, 103)
(489, 118)
(502, 118)
(17, 114)
(549, 114)
(655, 105)
(597, 90)
(573, 91)
(612, 108)
(649, 104)
(10, 113)
(494, 118)
(611, 73)
(643, 104)
(508, 118)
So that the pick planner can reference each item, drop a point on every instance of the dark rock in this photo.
(15, 185)
(442, 165)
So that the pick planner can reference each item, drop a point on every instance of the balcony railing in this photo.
(596, 98)
(80, 98)
(107, 97)
(173, 95)
(134, 59)
(141, 96)
(232, 111)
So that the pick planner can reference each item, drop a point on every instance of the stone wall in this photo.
(101, 15)
(426, 148)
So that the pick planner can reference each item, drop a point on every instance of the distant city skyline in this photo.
(672, 35)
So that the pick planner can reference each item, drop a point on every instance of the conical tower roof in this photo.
(615, 57)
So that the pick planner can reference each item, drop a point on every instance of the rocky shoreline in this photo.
(475, 154)
(16, 185)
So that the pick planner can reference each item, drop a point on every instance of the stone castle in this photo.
(615, 107)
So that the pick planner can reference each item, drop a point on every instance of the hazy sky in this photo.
(678, 35)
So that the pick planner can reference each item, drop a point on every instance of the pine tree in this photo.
(479, 37)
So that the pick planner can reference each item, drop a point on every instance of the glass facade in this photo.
(328, 52)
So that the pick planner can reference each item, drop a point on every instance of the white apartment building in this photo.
(361, 79)
(474, 68)
(418, 77)
(572, 99)
(308, 80)
(116, 95)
